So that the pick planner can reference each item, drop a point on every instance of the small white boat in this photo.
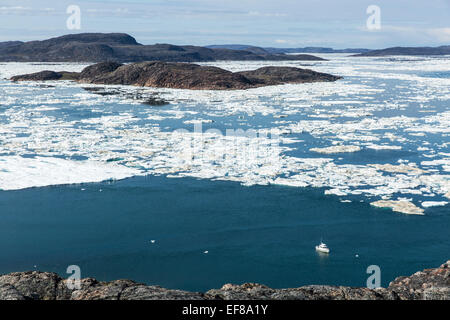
(322, 247)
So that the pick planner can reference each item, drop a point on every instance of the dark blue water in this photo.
(263, 234)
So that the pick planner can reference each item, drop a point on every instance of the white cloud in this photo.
(16, 9)
(118, 11)
(266, 14)
(441, 34)
(422, 36)
(20, 10)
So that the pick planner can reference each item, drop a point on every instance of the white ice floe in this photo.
(336, 149)
(428, 204)
(383, 147)
(409, 169)
(337, 192)
(402, 206)
(357, 113)
(196, 121)
(19, 173)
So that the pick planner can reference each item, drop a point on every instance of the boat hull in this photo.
(322, 250)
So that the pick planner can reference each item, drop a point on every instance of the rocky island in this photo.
(120, 47)
(429, 284)
(406, 51)
(181, 76)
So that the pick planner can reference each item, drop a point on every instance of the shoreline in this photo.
(429, 284)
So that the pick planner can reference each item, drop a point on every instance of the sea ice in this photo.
(402, 206)
(336, 149)
(427, 204)
(18, 173)
(119, 137)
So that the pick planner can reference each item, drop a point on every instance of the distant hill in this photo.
(9, 43)
(270, 50)
(407, 51)
(119, 47)
(257, 50)
(315, 50)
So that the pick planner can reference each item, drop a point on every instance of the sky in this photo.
(275, 23)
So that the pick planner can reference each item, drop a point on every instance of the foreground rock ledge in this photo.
(181, 76)
(430, 284)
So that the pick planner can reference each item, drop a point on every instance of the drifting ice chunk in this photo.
(20, 173)
(402, 206)
(336, 149)
(427, 204)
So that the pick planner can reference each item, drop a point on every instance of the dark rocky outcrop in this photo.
(152, 101)
(252, 291)
(280, 75)
(99, 69)
(407, 51)
(169, 75)
(119, 47)
(183, 76)
(430, 284)
(6, 44)
(46, 76)
(38, 76)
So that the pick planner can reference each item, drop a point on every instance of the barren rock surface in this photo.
(182, 76)
(430, 284)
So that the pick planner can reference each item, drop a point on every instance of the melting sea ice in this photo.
(330, 160)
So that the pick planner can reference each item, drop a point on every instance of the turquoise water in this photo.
(253, 234)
